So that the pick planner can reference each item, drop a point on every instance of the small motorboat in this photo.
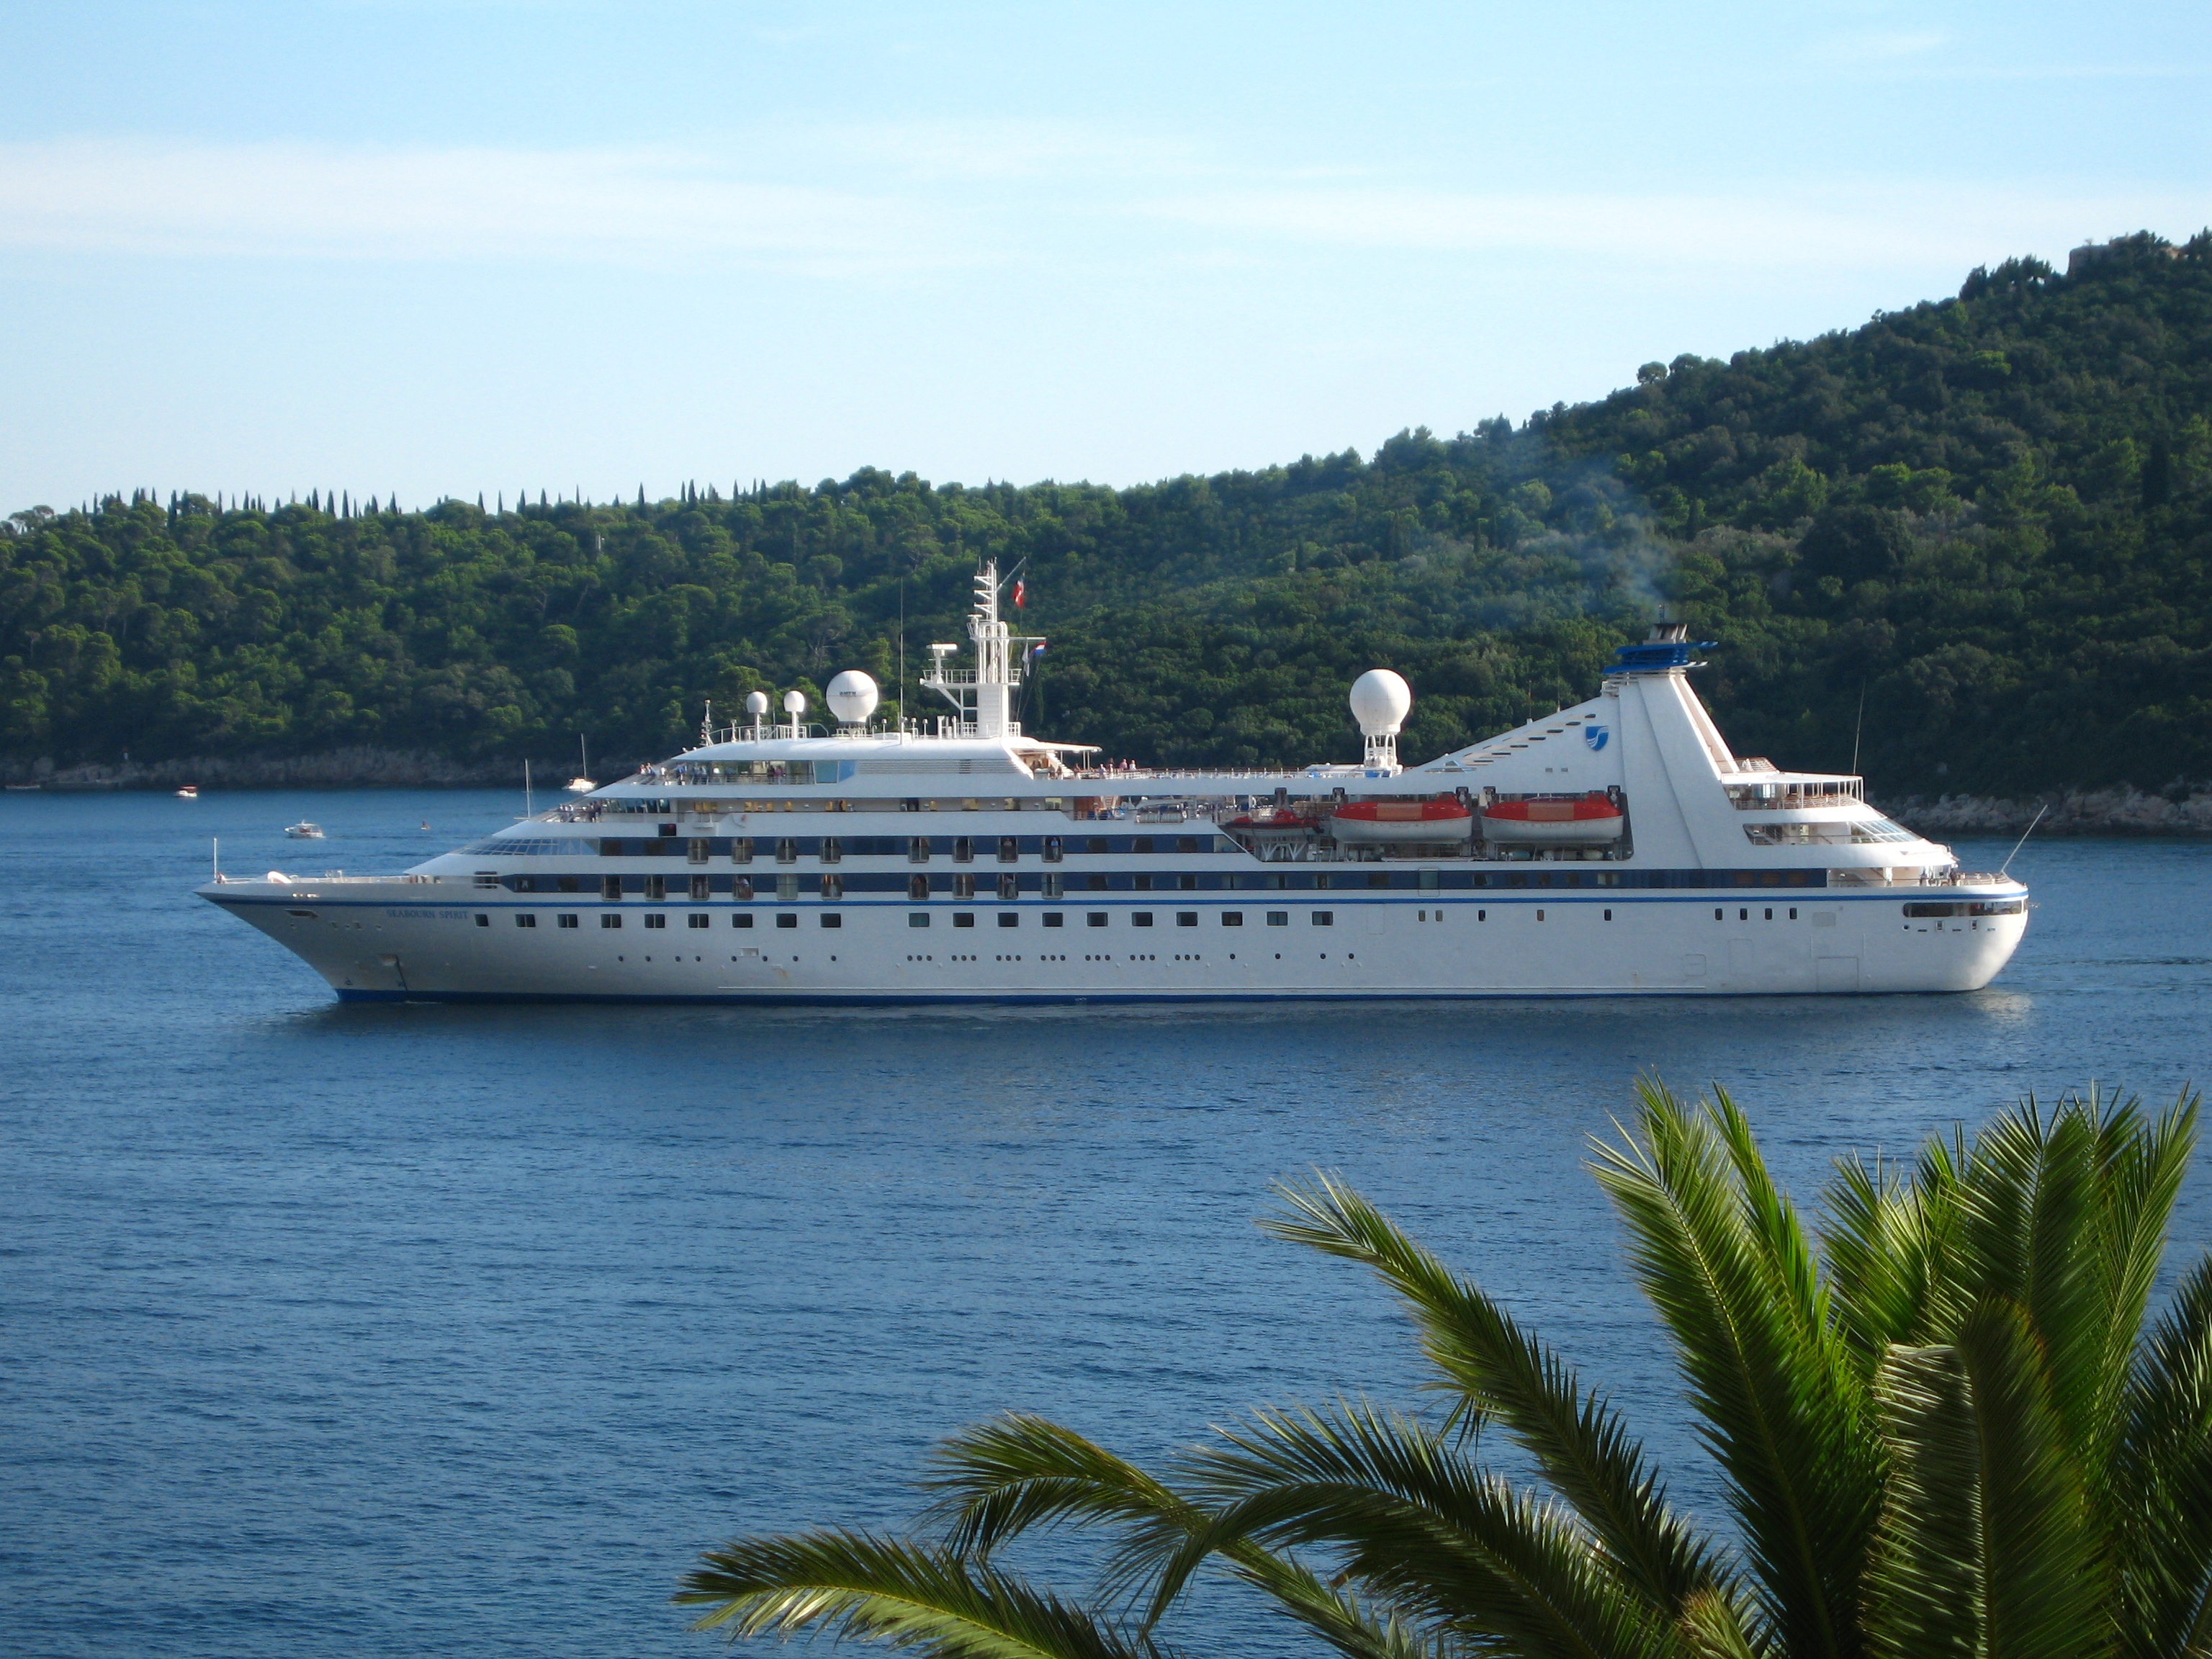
(1402, 822)
(1269, 821)
(1554, 821)
(190, 792)
(304, 830)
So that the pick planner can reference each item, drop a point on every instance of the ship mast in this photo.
(983, 694)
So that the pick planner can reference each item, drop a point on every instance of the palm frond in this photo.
(1504, 1373)
(2161, 1500)
(1021, 1471)
(1726, 1263)
(1436, 1541)
(853, 1585)
(1987, 1545)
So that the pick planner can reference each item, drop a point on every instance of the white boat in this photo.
(962, 860)
(190, 792)
(581, 784)
(304, 830)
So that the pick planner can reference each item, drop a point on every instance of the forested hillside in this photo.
(1988, 517)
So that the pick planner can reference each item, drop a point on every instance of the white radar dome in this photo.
(852, 697)
(756, 702)
(794, 702)
(1380, 702)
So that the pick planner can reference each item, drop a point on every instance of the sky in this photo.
(440, 247)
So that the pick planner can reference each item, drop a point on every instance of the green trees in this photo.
(2024, 473)
(1942, 1429)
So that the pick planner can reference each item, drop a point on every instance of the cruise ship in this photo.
(1615, 848)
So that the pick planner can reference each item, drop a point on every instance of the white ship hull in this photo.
(402, 945)
(974, 863)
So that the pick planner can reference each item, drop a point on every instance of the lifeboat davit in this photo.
(1402, 821)
(1581, 821)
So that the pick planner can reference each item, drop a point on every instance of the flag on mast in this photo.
(1021, 592)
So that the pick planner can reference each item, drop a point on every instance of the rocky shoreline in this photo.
(2121, 811)
(336, 769)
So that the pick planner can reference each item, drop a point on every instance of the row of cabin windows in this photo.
(922, 919)
(1352, 876)
(918, 850)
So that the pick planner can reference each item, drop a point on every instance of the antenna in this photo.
(215, 852)
(1857, 726)
(528, 807)
(901, 678)
(2022, 842)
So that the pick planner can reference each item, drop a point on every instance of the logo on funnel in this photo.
(1595, 736)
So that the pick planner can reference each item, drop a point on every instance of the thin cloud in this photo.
(1881, 46)
(1856, 226)
(645, 207)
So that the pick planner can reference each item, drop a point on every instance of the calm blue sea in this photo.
(369, 1331)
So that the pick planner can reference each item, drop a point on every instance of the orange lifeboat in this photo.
(1269, 821)
(1402, 821)
(1571, 821)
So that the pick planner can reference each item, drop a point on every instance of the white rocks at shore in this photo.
(2121, 811)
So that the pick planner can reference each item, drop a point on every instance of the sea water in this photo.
(392, 1330)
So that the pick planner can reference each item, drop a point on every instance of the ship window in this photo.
(524, 919)
(1324, 879)
(610, 921)
(1187, 884)
(1142, 844)
(741, 849)
(1052, 850)
(1099, 884)
(656, 921)
(1743, 915)
(526, 883)
(1379, 879)
(1006, 887)
(786, 920)
(1094, 919)
(1009, 849)
(1056, 885)
(1185, 843)
(917, 919)
(833, 920)
(1094, 844)
(567, 884)
(1716, 915)
(1792, 913)
(1770, 914)
(833, 887)
(1010, 918)
(1279, 918)
(700, 919)
(486, 877)
(1935, 909)
(698, 850)
(917, 849)
(699, 887)
(963, 919)
(1053, 918)
(787, 887)
(566, 920)
(741, 921)
(1539, 915)
(482, 920)
(1143, 884)
(1141, 919)
(1996, 907)
(1482, 915)
(964, 887)
(1232, 918)
(656, 888)
(1324, 918)
(917, 887)
(1429, 881)
(963, 850)
(833, 850)
(742, 888)
(787, 851)
(1608, 914)
(1186, 918)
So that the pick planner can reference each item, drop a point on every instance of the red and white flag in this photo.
(1020, 591)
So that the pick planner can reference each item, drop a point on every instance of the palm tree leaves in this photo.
(1723, 1258)
(1504, 1374)
(1942, 1429)
(910, 1596)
